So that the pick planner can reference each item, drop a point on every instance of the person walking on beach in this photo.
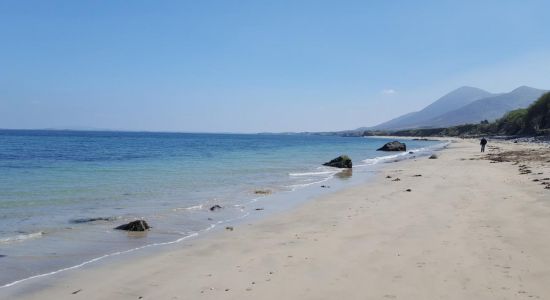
(483, 143)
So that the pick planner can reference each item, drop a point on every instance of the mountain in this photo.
(490, 108)
(451, 101)
(463, 105)
(533, 121)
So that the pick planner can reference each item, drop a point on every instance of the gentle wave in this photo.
(424, 151)
(194, 207)
(312, 173)
(293, 187)
(97, 259)
(194, 234)
(21, 237)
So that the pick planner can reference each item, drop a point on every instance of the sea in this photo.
(63, 192)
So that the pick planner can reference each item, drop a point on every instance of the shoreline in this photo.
(272, 203)
(294, 234)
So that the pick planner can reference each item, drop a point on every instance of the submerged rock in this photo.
(138, 225)
(262, 192)
(393, 146)
(88, 220)
(342, 161)
(215, 207)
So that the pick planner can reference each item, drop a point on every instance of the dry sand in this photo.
(469, 228)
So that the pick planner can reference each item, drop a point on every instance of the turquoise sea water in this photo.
(53, 184)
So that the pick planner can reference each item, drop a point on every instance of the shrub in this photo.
(538, 115)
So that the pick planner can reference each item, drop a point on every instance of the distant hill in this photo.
(490, 108)
(533, 121)
(451, 101)
(462, 106)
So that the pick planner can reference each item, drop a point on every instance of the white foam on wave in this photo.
(97, 259)
(21, 237)
(424, 151)
(293, 187)
(312, 173)
(118, 253)
(253, 200)
(194, 207)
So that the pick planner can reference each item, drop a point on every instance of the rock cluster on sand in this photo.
(342, 161)
(138, 225)
(393, 146)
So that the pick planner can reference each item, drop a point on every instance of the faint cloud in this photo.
(388, 92)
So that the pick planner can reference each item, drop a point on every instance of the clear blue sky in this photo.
(250, 66)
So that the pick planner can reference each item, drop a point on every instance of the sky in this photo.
(257, 66)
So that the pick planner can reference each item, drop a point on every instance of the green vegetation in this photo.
(538, 116)
(512, 123)
(534, 120)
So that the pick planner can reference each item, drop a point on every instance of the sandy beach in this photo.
(463, 226)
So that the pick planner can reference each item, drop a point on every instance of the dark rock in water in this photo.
(215, 207)
(342, 161)
(433, 156)
(88, 220)
(410, 152)
(393, 146)
(262, 192)
(325, 186)
(138, 225)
